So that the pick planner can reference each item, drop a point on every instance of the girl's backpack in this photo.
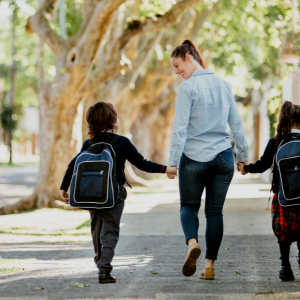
(288, 164)
(94, 182)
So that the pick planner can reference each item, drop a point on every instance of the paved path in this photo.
(152, 241)
(16, 182)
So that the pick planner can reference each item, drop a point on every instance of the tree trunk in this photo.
(55, 147)
(12, 72)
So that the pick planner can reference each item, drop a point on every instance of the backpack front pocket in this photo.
(291, 183)
(91, 184)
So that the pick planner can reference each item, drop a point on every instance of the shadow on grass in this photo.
(86, 223)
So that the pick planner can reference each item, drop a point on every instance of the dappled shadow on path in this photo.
(146, 265)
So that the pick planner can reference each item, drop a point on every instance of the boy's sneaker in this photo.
(286, 274)
(106, 278)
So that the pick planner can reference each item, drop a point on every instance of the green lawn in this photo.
(12, 266)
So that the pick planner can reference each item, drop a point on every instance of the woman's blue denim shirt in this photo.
(204, 106)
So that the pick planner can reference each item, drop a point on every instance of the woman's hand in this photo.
(243, 170)
(64, 196)
(171, 172)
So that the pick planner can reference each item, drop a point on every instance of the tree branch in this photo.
(201, 18)
(84, 53)
(80, 58)
(115, 88)
(88, 9)
(113, 67)
(157, 23)
(39, 23)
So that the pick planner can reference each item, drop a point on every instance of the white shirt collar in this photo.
(295, 130)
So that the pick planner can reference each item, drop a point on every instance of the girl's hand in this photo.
(64, 196)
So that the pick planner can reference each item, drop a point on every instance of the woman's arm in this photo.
(69, 173)
(235, 124)
(265, 162)
(181, 121)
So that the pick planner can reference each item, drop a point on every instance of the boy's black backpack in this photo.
(287, 165)
(94, 183)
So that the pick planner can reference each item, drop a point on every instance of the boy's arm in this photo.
(265, 162)
(69, 173)
(135, 158)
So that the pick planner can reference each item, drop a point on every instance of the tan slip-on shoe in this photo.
(207, 274)
(189, 265)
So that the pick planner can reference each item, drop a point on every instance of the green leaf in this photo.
(77, 284)
(154, 273)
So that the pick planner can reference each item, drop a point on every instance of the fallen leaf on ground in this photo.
(237, 272)
(77, 284)
(154, 273)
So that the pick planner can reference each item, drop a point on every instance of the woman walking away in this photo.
(285, 216)
(201, 142)
(103, 123)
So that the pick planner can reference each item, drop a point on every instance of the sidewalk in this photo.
(150, 252)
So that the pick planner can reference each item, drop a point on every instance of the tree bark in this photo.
(12, 72)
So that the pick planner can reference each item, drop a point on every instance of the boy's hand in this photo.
(171, 172)
(64, 196)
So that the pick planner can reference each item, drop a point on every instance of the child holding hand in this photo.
(285, 219)
(103, 124)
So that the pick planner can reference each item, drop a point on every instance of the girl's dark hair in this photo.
(289, 115)
(188, 47)
(100, 118)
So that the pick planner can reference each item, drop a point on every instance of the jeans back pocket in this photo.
(227, 159)
(192, 165)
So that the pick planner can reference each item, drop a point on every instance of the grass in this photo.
(61, 233)
(12, 266)
(81, 230)
(21, 164)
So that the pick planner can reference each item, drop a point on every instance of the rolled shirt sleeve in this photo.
(181, 121)
(236, 127)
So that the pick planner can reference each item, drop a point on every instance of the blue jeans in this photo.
(215, 176)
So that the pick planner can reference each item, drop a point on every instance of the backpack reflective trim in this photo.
(88, 185)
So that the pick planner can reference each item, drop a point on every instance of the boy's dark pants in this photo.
(105, 228)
